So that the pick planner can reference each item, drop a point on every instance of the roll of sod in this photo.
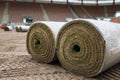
(20, 29)
(17, 29)
(41, 40)
(24, 28)
(7, 29)
(88, 47)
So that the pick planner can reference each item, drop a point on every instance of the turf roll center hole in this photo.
(76, 49)
(37, 42)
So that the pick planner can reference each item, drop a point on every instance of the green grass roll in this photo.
(88, 47)
(41, 40)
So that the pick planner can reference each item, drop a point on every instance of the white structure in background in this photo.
(74, 2)
(104, 19)
(117, 14)
(27, 20)
(68, 19)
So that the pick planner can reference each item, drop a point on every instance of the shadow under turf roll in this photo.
(88, 47)
(41, 40)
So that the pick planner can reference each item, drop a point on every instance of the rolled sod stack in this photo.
(8, 28)
(41, 40)
(88, 47)
(17, 29)
(24, 28)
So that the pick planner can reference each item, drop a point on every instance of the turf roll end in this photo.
(81, 48)
(41, 43)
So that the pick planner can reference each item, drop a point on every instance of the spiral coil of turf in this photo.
(41, 40)
(88, 47)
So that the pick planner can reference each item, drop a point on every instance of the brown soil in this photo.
(17, 64)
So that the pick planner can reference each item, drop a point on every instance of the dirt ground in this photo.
(17, 64)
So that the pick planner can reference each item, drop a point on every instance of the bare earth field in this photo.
(17, 64)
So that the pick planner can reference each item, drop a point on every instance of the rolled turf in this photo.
(41, 40)
(24, 28)
(17, 29)
(6, 29)
(88, 47)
